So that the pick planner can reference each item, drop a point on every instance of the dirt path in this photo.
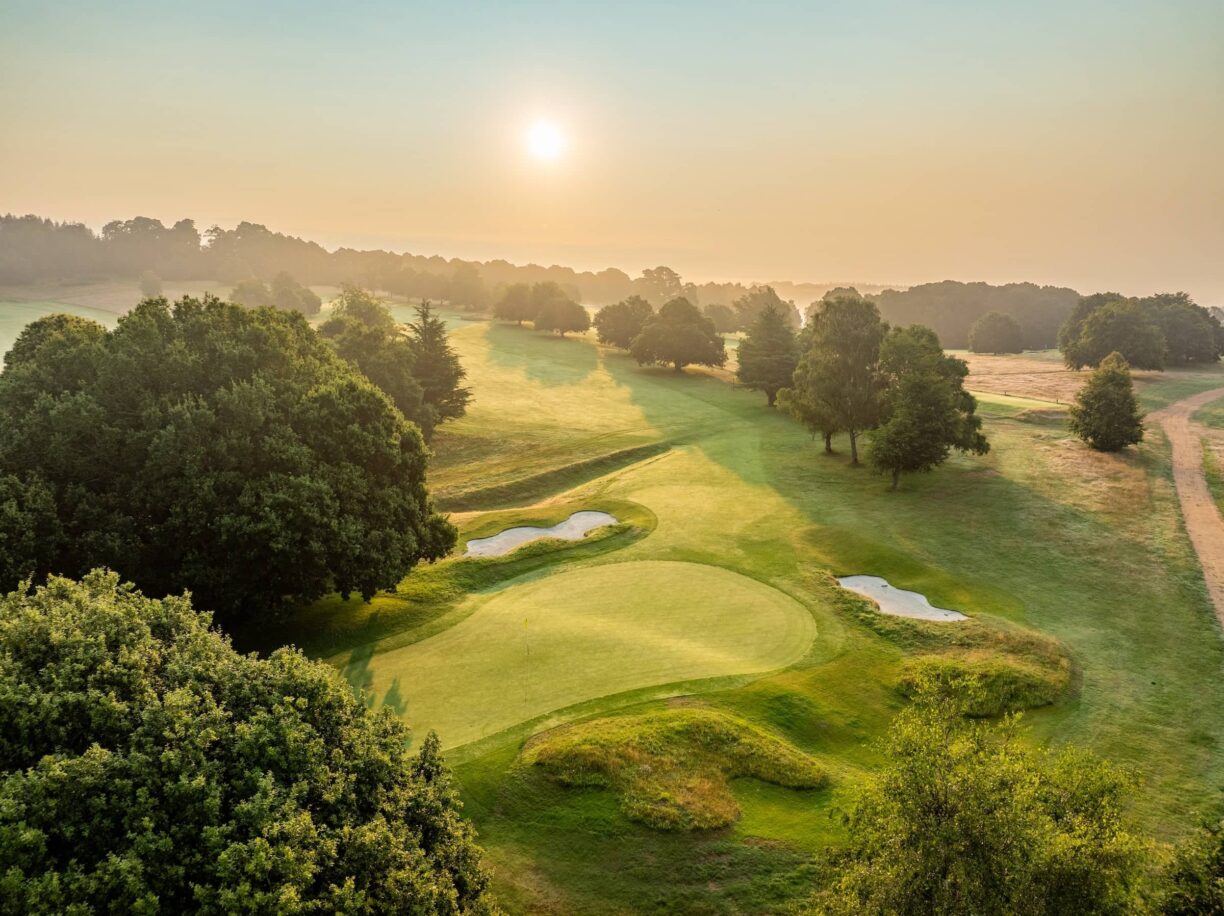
(1203, 521)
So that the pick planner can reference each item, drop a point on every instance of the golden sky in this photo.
(1072, 142)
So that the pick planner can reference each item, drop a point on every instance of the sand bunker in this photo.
(897, 601)
(573, 528)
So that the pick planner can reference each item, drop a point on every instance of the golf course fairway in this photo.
(584, 633)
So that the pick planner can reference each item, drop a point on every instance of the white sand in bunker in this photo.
(584, 633)
(897, 601)
(574, 528)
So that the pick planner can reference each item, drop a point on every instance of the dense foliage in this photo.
(925, 411)
(950, 309)
(836, 385)
(561, 314)
(209, 447)
(748, 307)
(1194, 884)
(768, 354)
(436, 367)
(678, 336)
(147, 767)
(995, 332)
(619, 323)
(965, 818)
(1105, 413)
(1148, 332)
(726, 321)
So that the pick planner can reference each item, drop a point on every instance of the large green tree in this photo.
(966, 818)
(1106, 414)
(678, 336)
(436, 368)
(839, 373)
(253, 293)
(619, 323)
(363, 331)
(768, 354)
(209, 447)
(514, 304)
(561, 314)
(1192, 333)
(145, 767)
(995, 332)
(1106, 323)
(926, 410)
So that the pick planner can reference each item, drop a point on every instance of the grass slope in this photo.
(1041, 535)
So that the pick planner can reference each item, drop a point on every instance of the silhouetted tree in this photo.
(290, 296)
(150, 285)
(515, 304)
(749, 306)
(437, 369)
(768, 354)
(659, 285)
(726, 321)
(995, 332)
(561, 314)
(926, 410)
(246, 462)
(148, 767)
(1192, 334)
(618, 324)
(838, 374)
(253, 293)
(1106, 414)
(678, 336)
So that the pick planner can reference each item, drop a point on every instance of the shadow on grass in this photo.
(545, 358)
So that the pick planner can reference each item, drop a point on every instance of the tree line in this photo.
(33, 249)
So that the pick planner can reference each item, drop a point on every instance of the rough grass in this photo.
(990, 684)
(671, 769)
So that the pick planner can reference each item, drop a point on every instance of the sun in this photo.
(545, 141)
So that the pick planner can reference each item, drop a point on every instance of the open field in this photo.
(1016, 539)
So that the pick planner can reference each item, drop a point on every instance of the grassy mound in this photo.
(991, 684)
(671, 768)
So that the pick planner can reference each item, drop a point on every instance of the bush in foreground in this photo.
(965, 818)
(146, 767)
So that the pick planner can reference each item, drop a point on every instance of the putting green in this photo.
(583, 634)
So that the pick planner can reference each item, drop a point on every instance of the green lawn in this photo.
(742, 521)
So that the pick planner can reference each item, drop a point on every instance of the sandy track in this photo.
(1203, 521)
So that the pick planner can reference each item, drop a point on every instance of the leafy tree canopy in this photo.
(290, 296)
(1106, 414)
(252, 292)
(965, 818)
(514, 304)
(561, 314)
(750, 306)
(678, 336)
(768, 354)
(995, 332)
(618, 324)
(926, 410)
(1145, 331)
(145, 766)
(725, 319)
(208, 447)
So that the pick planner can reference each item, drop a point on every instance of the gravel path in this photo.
(1203, 521)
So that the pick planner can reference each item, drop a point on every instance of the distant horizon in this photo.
(421, 248)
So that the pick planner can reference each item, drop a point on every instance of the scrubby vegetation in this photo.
(988, 683)
(671, 768)
(147, 767)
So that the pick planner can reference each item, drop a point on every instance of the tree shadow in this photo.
(394, 698)
(545, 358)
(358, 673)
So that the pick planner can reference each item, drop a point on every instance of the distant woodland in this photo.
(33, 250)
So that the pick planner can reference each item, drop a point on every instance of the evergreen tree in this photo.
(1106, 414)
(926, 410)
(768, 354)
(436, 368)
(678, 336)
(619, 323)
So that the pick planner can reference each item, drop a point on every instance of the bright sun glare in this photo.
(545, 141)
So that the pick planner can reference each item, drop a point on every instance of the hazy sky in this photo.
(1058, 141)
